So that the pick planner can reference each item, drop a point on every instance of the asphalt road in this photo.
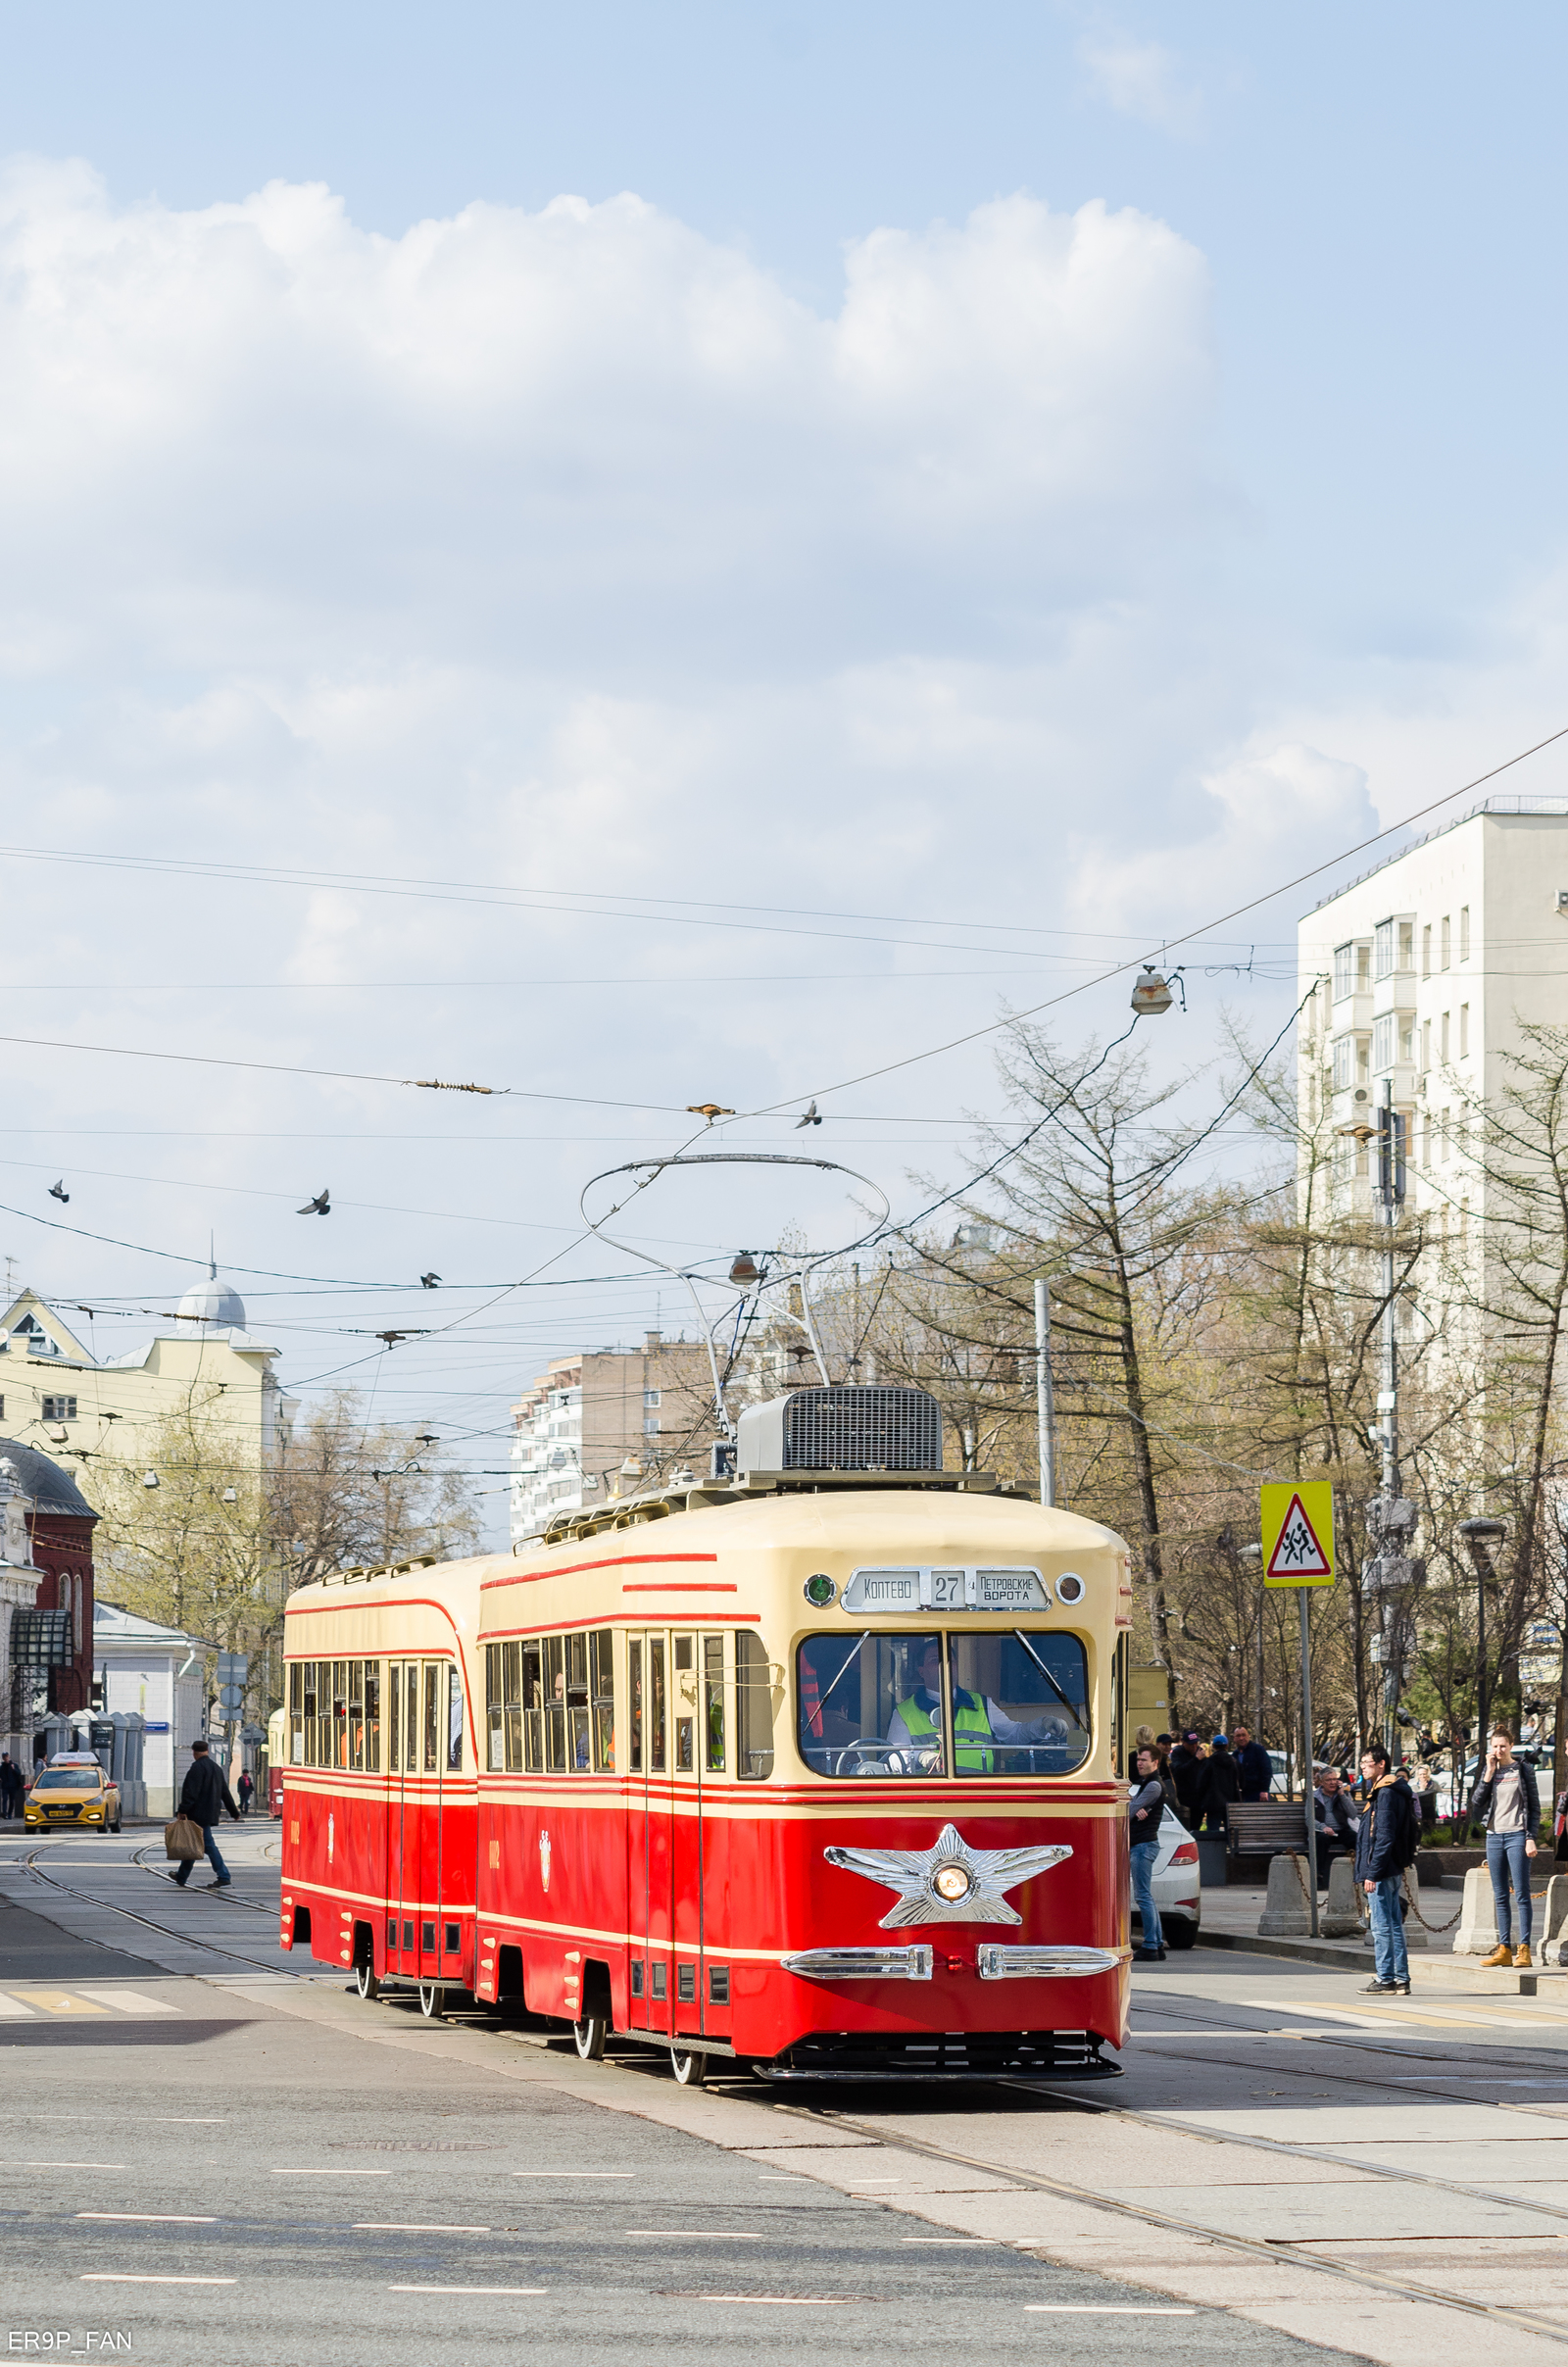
(249, 2167)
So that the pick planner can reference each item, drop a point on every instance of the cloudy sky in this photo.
(648, 555)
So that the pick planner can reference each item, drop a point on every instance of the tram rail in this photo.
(167, 1931)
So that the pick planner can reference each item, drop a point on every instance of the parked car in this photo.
(1177, 1895)
(72, 1790)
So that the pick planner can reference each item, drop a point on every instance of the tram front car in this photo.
(935, 1878)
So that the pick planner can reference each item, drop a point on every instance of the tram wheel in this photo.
(689, 2069)
(590, 2035)
(364, 1980)
(432, 2000)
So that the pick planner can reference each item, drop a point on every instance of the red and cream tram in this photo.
(817, 1766)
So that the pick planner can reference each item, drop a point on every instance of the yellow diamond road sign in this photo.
(1298, 1533)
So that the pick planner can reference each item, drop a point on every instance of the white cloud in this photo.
(1140, 80)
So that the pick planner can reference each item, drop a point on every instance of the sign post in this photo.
(1298, 1554)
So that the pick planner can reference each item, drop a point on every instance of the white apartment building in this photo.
(1422, 973)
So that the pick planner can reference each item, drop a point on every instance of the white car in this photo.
(1177, 1894)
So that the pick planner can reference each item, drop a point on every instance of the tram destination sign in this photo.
(957, 1589)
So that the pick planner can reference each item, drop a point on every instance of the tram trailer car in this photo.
(820, 1770)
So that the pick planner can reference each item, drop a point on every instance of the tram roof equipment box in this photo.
(860, 1429)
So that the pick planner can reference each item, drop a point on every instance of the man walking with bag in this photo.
(202, 1793)
(1385, 1844)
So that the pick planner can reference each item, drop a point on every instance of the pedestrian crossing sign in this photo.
(1298, 1533)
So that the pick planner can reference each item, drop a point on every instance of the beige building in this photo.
(594, 1411)
(57, 1397)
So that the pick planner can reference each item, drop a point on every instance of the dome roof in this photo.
(52, 1489)
(213, 1302)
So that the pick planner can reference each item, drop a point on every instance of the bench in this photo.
(1262, 1829)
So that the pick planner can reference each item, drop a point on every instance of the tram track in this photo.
(166, 1931)
(1372, 2280)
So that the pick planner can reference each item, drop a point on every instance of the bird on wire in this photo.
(320, 1205)
(57, 1191)
(427, 1282)
(707, 1109)
(809, 1120)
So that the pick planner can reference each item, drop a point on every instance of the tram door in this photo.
(665, 1875)
(417, 1693)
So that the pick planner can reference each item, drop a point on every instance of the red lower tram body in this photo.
(803, 1936)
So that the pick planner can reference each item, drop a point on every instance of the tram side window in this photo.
(296, 1715)
(577, 1706)
(532, 1666)
(394, 1722)
(602, 1689)
(454, 1716)
(309, 1671)
(868, 1706)
(714, 1701)
(410, 1716)
(555, 1656)
(634, 1705)
(753, 1710)
(356, 1691)
(372, 1716)
(340, 1713)
(434, 1691)
(1020, 1703)
(495, 1709)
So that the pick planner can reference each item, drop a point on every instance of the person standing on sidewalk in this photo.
(1507, 1799)
(1385, 1844)
(1255, 1769)
(1144, 1812)
(202, 1793)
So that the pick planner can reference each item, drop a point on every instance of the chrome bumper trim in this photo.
(861, 1965)
(995, 1962)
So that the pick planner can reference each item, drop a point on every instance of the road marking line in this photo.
(75, 2165)
(127, 2000)
(782, 2300)
(573, 2173)
(158, 2218)
(113, 2276)
(404, 2227)
(57, 2001)
(329, 2170)
(730, 2235)
(11, 2009)
(1110, 2310)
(467, 2289)
(966, 2239)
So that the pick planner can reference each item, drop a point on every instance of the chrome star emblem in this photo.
(948, 1883)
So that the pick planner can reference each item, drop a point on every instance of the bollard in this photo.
(1554, 1920)
(1284, 1910)
(1343, 1919)
(1477, 1935)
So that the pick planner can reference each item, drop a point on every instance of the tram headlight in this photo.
(952, 1883)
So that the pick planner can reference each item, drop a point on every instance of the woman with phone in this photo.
(1507, 1798)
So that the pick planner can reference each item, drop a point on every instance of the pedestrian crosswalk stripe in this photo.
(28, 2004)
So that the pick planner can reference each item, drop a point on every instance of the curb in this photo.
(1304, 1952)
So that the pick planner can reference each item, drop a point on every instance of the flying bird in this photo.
(320, 1205)
(809, 1120)
(427, 1282)
(57, 1191)
(707, 1109)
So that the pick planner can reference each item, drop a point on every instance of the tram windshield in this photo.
(872, 1704)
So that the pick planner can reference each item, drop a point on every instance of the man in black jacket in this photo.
(1385, 1846)
(1219, 1784)
(1255, 1769)
(202, 1794)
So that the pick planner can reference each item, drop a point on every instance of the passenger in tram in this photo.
(917, 1723)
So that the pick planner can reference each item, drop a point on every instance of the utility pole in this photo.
(1480, 1536)
(1045, 1400)
(1390, 1576)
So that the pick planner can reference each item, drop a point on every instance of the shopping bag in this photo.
(183, 1838)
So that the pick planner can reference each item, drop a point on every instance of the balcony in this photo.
(1397, 992)
(1352, 1014)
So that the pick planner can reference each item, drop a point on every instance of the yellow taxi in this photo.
(69, 1791)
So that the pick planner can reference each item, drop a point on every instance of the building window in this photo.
(1408, 945)
(652, 1396)
(1407, 1042)
(652, 1425)
(1426, 1047)
(59, 1410)
(1442, 1031)
(1383, 950)
(1464, 1030)
(1382, 1042)
(1426, 951)
(1464, 932)
(1443, 941)
(1344, 1064)
(1426, 1139)
(1443, 1136)
(1344, 972)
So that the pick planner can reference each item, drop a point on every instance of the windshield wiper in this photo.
(1071, 1707)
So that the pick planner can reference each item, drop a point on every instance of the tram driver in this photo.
(916, 1725)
